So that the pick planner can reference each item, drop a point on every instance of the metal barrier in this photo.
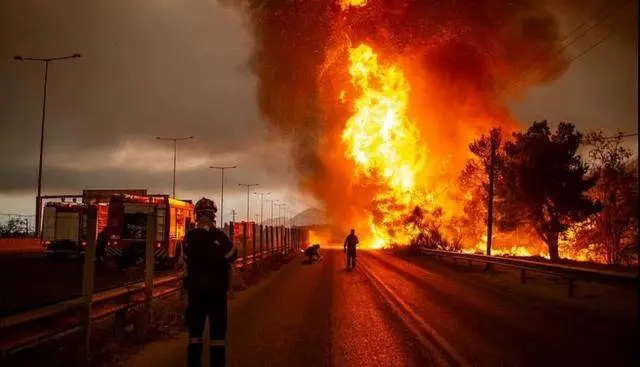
(34, 327)
(65, 317)
(571, 274)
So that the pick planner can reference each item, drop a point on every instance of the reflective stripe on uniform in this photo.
(230, 253)
(195, 340)
(218, 343)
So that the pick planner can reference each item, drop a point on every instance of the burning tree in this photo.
(474, 181)
(613, 231)
(545, 181)
(429, 229)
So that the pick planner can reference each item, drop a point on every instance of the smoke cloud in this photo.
(463, 60)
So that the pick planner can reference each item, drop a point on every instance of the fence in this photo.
(35, 327)
(571, 274)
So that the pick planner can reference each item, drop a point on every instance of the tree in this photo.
(544, 182)
(428, 227)
(14, 227)
(474, 181)
(615, 227)
(474, 178)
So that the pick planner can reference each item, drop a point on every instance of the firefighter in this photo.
(101, 243)
(209, 256)
(350, 248)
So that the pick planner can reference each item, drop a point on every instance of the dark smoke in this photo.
(475, 49)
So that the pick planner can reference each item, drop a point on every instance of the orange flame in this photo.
(346, 4)
(380, 139)
(386, 148)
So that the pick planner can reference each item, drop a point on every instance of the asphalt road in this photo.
(30, 280)
(392, 312)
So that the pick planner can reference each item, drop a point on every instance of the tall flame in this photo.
(410, 74)
(380, 139)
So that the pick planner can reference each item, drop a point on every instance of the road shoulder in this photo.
(173, 351)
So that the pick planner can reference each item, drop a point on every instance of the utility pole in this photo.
(248, 186)
(45, 61)
(492, 163)
(175, 151)
(222, 168)
(262, 195)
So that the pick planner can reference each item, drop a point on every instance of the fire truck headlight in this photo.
(158, 244)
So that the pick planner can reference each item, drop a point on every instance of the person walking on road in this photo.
(209, 256)
(350, 248)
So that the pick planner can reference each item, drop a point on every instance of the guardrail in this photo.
(34, 327)
(9, 245)
(571, 274)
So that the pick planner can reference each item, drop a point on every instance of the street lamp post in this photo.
(274, 203)
(175, 150)
(280, 207)
(262, 195)
(248, 186)
(284, 215)
(45, 61)
(222, 168)
(271, 203)
(290, 216)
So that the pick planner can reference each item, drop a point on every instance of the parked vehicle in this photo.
(127, 222)
(64, 228)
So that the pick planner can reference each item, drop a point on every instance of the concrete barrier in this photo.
(19, 245)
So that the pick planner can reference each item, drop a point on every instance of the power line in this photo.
(600, 41)
(604, 16)
(621, 136)
(600, 11)
(586, 21)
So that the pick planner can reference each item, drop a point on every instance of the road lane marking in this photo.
(406, 312)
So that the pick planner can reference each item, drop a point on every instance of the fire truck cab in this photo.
(127, 225)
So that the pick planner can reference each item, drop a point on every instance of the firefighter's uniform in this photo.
(209, 255)
(350, 248)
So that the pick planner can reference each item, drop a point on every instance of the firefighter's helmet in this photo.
(205, 207)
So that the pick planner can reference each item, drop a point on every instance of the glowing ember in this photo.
(345, 4)
(380, 139)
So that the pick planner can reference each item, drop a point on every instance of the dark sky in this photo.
(170, 67)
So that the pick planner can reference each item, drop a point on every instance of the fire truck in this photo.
(127, 224)
(64, 228)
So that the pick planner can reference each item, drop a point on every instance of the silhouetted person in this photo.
(209, 256)
(313, 252)
(350, 244)
(101, 243)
